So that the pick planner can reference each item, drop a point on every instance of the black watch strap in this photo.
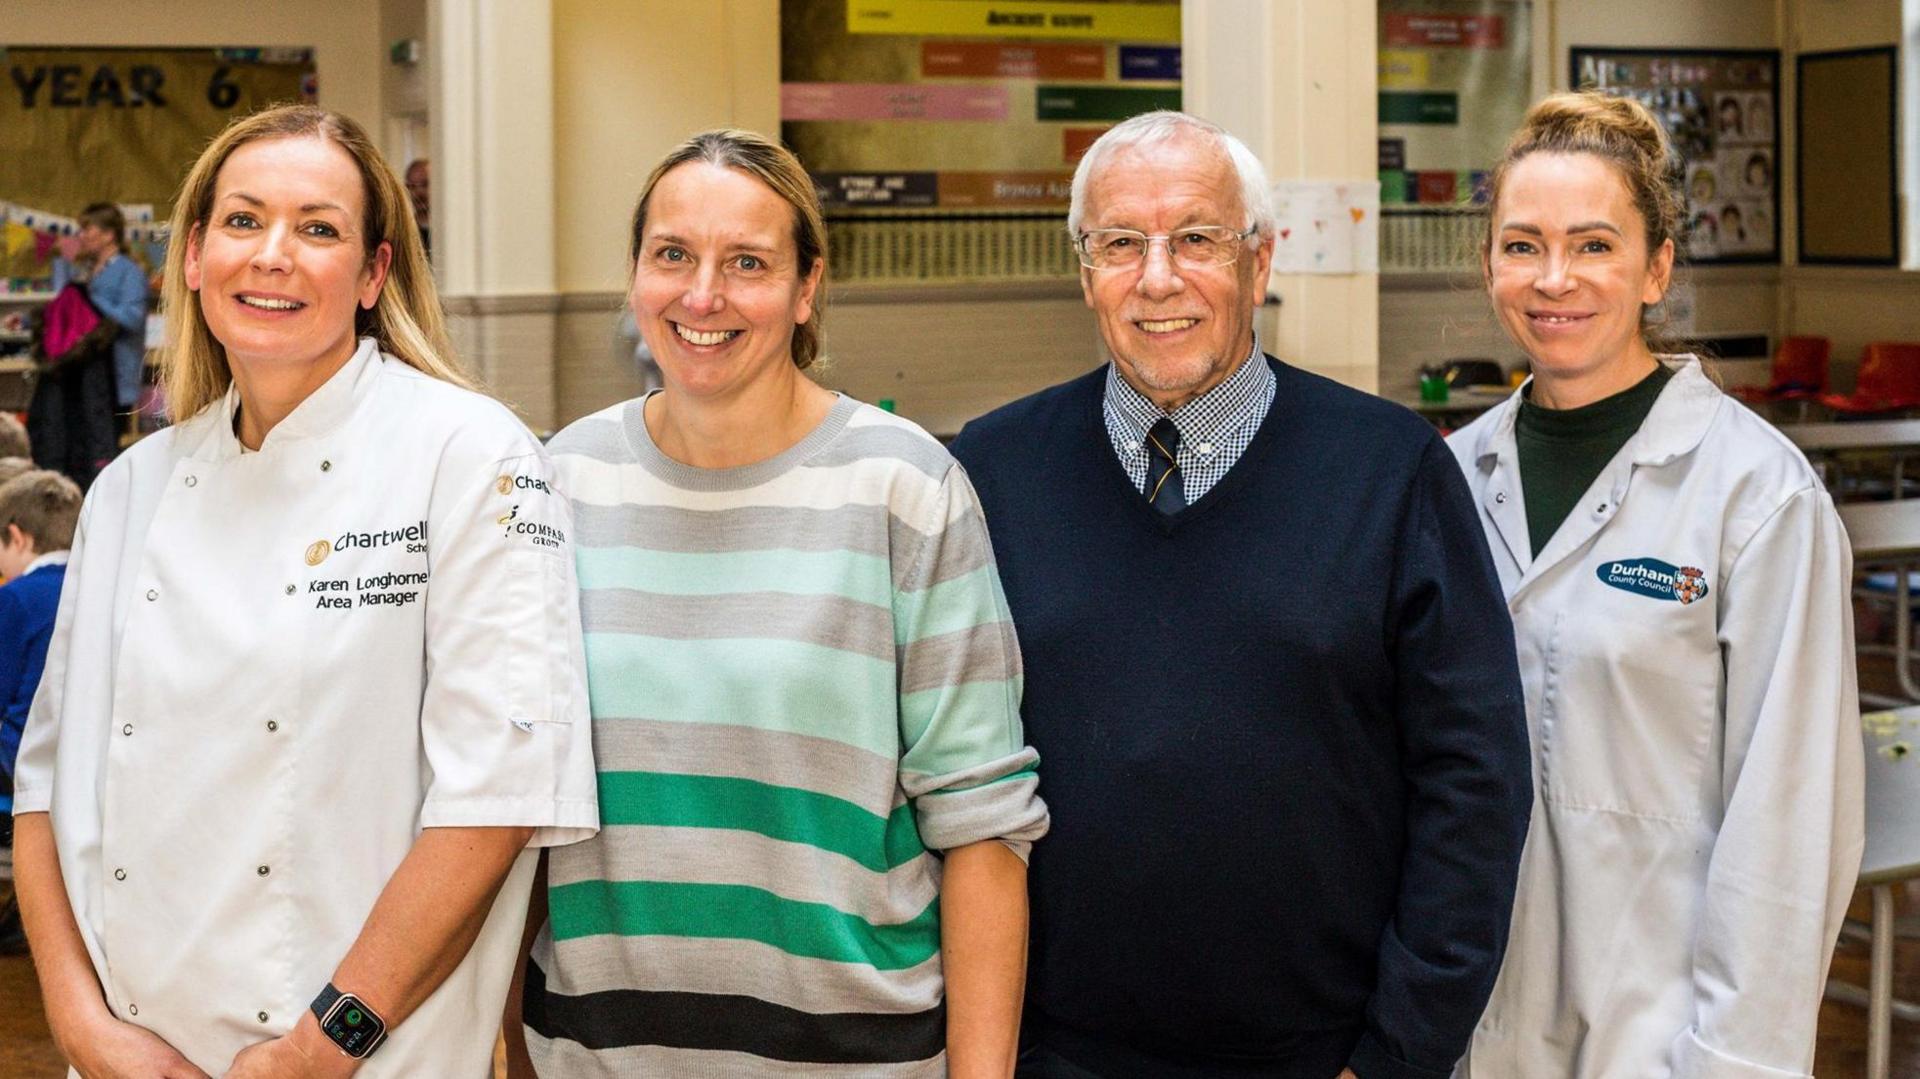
(324, 1001)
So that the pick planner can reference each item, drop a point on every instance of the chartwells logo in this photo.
(414, 536)
(1655, 579)
(506, 485)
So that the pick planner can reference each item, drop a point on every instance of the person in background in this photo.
(13, 438)
(1679, 584)
(420, 194)
(316, 685)
(1266, 664)
(805, 687)
(71, 417)
(39, 510)
(11, 467)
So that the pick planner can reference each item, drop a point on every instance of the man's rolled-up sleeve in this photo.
(1468, 776)
(504, 721)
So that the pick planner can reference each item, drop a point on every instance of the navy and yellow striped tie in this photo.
(1164, 488)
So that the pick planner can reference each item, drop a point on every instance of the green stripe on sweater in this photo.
(785, 813)
(737, 912)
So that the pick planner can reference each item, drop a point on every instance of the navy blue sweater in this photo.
(1282, 736)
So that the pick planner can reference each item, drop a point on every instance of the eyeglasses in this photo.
(1197, 248)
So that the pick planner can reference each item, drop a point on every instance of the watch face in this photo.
(352, 1027)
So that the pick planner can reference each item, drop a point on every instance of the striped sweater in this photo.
(803, 681)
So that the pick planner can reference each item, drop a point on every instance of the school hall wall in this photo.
(1849, 305)
(1428, 318)
(344, 34)
(635, 77)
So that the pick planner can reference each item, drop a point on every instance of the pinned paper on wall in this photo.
(1326, 227)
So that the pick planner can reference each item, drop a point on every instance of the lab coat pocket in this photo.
(1628, 713)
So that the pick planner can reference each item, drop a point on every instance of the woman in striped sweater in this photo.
(816, 795)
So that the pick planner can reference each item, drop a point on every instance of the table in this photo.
(1828, 442)
(1889, 533)
(1460, 407)
(1892, 855)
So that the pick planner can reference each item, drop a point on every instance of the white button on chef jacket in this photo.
(425, 669)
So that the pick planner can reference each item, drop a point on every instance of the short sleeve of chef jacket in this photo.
(504, 720)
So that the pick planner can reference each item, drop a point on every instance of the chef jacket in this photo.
(271, 670)
(1686, 647)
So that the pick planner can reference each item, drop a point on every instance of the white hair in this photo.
(1165, 125)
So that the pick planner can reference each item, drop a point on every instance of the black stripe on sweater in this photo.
(621, 1017)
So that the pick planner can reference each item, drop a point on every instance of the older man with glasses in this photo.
(1267, 663)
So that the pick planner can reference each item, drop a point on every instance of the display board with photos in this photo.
(1721, 109)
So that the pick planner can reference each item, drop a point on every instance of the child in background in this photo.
(11, 467)
(38, 513)
(13, 438)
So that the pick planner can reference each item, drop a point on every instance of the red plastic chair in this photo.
(1889, 381)
(1799, 372)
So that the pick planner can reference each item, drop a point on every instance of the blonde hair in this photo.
(1619, 131)
(776, 166)
(406, 321)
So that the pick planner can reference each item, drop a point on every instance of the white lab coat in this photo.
(271, 670)
(1697, 761)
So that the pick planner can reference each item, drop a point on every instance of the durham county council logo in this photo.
(317, 552)
(1655, 579)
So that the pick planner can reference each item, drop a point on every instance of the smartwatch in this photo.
(349, 1022)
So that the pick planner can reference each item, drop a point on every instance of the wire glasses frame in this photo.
(1198, 247)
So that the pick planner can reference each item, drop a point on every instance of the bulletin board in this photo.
(962, 107)
(1721, 109)
(1454, 79)
(1848, 202)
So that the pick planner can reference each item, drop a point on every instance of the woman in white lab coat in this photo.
(316, 681)
(1679, 585)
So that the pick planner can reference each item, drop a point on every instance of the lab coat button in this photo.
(152, 594)
(191, 480)
(263, 1017)
(127, 730)
(133, 1009)
(272, 725)
(263, 870)
(290, 590)
(1204, 447)
(119, 874)
(326, 466)
(1500, 497)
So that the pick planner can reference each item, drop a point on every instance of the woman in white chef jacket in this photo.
(1679, 585)
(315, 686)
